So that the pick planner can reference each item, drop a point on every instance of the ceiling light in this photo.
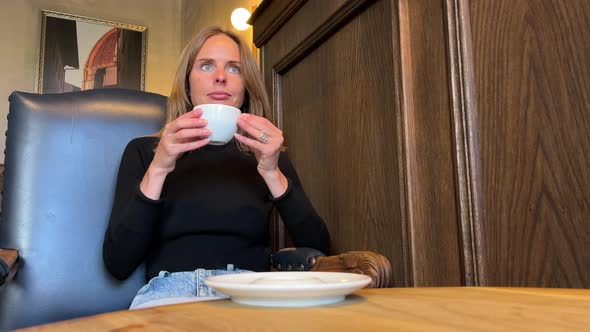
(239, 17)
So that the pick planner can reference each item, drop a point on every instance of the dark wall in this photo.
(336, 126)
(359, 129)
(532, 70)
(449, 135)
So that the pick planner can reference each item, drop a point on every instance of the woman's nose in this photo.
(220, 76)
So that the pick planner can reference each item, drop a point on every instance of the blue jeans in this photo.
(178, 287)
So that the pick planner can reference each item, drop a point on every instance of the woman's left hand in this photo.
(265, 139)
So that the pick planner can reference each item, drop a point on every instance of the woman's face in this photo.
(216, 76)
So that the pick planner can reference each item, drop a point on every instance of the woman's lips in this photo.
(219, 95)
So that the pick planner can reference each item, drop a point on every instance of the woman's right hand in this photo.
(184, 134)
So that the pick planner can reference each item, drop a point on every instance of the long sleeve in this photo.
(134, 217)
(305, 226)
(213, 212)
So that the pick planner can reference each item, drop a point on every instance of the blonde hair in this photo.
(255, 100)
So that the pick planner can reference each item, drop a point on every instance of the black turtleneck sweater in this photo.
(213, 211)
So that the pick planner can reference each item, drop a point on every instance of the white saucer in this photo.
(288, 289)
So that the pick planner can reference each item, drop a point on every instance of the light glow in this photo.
(239, 17)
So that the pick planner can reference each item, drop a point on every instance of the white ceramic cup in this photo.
(221, 119)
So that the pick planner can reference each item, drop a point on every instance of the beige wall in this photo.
(170, 24)
(20, 29)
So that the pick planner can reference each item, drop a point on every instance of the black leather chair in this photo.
(61, 160)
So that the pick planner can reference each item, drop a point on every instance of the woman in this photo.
(191, 210)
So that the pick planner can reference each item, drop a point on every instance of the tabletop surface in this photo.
(386, 309)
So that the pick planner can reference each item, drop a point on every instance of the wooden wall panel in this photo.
(532, 61)
(469, 193)
(294, 23)
(427, 138)
(450, 135)
(339, 122)
(366, 99)
(282, 40)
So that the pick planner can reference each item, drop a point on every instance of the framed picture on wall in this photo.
(83, 53)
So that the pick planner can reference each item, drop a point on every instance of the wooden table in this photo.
(389, 309)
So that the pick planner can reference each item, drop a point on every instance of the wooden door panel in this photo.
(533, 96)
(339, 120)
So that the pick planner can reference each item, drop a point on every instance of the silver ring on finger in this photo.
(263, 138)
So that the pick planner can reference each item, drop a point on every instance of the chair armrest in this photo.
(9, 259)
(368, 263)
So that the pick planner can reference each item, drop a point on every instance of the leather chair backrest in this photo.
(61, 160)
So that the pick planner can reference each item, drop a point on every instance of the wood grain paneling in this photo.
(428, 148)
(270, 19)
(339, 120)
(533, 95)
(465, 140)
(449, 135)
(298, 25)
(292, 33)
(373, 99)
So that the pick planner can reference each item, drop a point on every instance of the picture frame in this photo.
(84, 53)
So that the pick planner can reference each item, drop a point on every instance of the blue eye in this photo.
(207, 67)
(233, 69)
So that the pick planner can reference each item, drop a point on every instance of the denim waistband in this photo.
(180, 285)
